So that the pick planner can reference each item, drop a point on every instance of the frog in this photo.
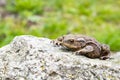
(84, 45)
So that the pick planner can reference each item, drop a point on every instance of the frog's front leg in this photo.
(85, 50)
(56, 42)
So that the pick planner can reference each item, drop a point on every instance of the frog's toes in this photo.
(104, 57)
(55, 43)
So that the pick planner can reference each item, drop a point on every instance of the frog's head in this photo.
(72, 42)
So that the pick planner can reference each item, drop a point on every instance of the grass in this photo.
(53, 18)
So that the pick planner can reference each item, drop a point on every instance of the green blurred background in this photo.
(53, 18)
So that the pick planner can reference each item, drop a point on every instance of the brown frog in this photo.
(84, 45)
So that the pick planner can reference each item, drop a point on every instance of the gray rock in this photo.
(32, 58)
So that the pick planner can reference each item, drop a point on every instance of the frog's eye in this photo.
(81, 40)
(71, 40)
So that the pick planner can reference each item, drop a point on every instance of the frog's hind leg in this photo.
(104, 57)
(85, 50)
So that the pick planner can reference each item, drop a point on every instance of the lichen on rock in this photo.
(32, 58)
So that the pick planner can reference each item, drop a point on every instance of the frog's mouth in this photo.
(69, 46)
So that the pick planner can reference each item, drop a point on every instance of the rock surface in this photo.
(31, 58)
